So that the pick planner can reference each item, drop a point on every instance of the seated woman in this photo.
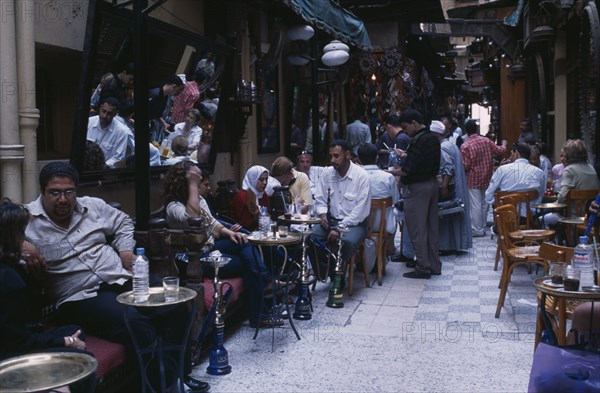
(20, 334)
(578, 174)
(189, 129)
(183, 200)
(247, 202)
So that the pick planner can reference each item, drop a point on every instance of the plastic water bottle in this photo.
(140, 277)
(583, 259)
(392, 159)
(264, 222)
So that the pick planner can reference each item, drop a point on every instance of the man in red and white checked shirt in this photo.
(185, 100)
(477, 155)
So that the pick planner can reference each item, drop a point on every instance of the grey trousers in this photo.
(350, 240)
(421, 214)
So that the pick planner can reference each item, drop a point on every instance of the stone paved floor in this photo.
(436, 335)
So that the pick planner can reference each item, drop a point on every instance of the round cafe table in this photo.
(532, 235)
(571, 224)
(274, 243)
(303, 308)
(547, 207)
(166, 352)
(44, 370)
(546, 288)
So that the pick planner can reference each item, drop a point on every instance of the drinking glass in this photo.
(571, 279)
(557, 270)
(289, 210)
(171, 287)
(312, 211)
(297, 210)
(282, 230)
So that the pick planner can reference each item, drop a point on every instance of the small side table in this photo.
(571, 228)
(532, 235)
(45, 370)
(548, 207)
(562, 297)
(162, 348)
(274, 243)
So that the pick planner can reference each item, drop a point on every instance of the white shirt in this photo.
(130, 135)
(383, 185)
(519, 175)
(112, 140)
(194, 136)
(314, 177)
(350, 195)
(176, 159)
(154, 155)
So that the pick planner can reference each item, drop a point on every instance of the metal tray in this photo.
(41, 371)
(593, 289)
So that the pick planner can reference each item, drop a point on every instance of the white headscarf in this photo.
(251, 178)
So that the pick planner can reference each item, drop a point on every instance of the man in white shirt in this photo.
(110, 135)
(518, 175)
(348, 188)
(383, 185)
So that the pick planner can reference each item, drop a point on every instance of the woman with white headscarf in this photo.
(246, 203)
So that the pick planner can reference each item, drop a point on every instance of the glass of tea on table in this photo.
(557, 270)
(571, 279)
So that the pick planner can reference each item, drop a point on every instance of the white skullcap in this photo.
(437, 127)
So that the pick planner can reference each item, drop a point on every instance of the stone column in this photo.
(29, 115)
(11, 149)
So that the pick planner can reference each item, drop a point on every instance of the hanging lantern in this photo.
(300, 33)
(335, 58)
(298, 59)
(335, 53)
(336, 45)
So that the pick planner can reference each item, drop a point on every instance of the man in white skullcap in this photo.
(454, 229)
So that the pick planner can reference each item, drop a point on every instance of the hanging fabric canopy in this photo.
(332, 19)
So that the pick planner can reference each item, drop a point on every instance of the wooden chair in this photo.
(351, 262)
(578, 202)
(504, 198)
(378, 233)
(513, 255)
(528, 197)
(524, 197)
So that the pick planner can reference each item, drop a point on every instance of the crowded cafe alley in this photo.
(299, 196)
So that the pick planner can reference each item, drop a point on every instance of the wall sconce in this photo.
(335, 54)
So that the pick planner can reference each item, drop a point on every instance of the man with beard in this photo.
(349, 189)
(110, 135)
(67, 244)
